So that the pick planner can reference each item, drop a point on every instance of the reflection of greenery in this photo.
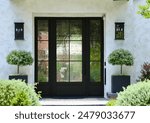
(63, 26)
(62, 71)
(68, 30)
(59, 66)
(95, 30)
(75, 33)
(75, 70)
(95, 72)
(95, 51)
(42, 76)
(75, 57)
(64, 34)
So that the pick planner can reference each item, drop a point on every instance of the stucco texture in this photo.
(137, 29)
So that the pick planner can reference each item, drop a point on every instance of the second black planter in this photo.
(118, 82)
(21, 77)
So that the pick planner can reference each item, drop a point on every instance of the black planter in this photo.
(118, 82)
(21, 77)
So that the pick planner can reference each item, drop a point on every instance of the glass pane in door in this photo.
(43, 52)
(95, 51)
(95, 72)
(75, 30)
(62, 71)
(95, 30)
(69, 50)
(62, 30)
(63, 50)
(76, 50)
(75, 71)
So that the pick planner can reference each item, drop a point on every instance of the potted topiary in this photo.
(120, 57)
(19, 58)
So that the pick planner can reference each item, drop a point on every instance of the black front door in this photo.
(69, 56)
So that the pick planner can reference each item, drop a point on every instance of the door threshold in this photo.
(73, 97)
(73, 102)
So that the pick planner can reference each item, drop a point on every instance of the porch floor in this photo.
(74, 102)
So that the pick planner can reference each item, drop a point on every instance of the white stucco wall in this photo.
(137, 29)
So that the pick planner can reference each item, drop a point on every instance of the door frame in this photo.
(47, 87)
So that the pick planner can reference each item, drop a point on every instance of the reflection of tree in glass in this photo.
(62, 71)
(42, 72)
(95, 72)
(95, 65)
(76, 71)
(95, 30)
(42, 77)
(67, 30)
(95, 50)
(62, 35)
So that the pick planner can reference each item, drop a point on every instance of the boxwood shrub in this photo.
(19, 58)
(135, 95)
(111, 102)
(17, 93)
(121, 57)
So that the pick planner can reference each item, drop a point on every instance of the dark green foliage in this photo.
(42, 76)
(121, 57)
(145, 72)
(95, 72)
(95, 51)
(19, 58)
(17, 93)
(135, 95)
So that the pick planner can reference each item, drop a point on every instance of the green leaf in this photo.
(144, 10)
